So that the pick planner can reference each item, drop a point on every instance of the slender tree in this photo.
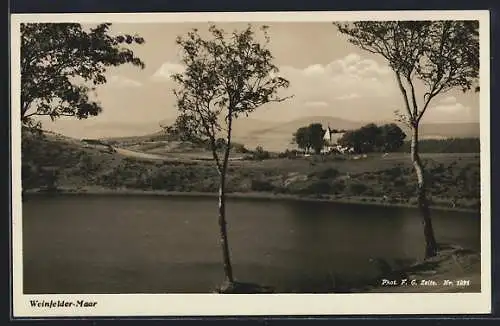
(316, 133)
(436, 56)
(301, 138)
(61, 63)
(226, 76)
(310, 137)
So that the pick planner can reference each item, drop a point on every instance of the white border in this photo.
(262, 304)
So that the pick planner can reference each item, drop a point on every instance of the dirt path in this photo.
(178, 157)
(142, 155)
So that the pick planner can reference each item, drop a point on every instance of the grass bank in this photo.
(454, 269)
(453, 179)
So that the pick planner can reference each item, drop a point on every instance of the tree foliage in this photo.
(225, 77)
(61, 63)
(372, 138)
(443, 55)
(437, 56)
(301, 138)
(392, 138)
(316, 133)
(260, 154)
(362, 140)
(310, 137)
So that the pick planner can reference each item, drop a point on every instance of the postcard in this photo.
(252, 163)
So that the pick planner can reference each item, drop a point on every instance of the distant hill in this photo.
(427, 130)
(272, 135)
(242, 127)
(336, 123)
(279, 136)
(93, 128)
(449, 130)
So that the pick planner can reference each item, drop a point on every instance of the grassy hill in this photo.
(277, 136)
(272, 135)
(55, 163)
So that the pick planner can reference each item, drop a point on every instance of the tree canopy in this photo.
(301, 138)
(372, 138)
(310, 137)
(392, 137)
(437, 55)
(440, 54)
(61, 63)
(225, 77)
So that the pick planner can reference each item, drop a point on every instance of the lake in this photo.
(155, 244)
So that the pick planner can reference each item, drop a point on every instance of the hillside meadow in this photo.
(63, 164)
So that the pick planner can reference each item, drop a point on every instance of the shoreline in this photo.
(249, 195)
(460, 266)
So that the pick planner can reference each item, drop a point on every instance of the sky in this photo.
(328, 77)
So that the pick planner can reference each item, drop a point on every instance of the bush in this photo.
(438, 169)
(29, 176)
(357, 189)
(50, 178)
(329, 173)
(337, 186)
(399, 182)
(394, 172)
(239, 148)
(261, 185)
(320, 187)
(289, 154)
(260, 154)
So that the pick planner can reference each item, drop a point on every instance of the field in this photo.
(64, 164)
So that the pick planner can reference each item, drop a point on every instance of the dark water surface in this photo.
(148, 244)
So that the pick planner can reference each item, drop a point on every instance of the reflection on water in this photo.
(118, 244)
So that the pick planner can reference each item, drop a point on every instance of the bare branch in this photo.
(444, 55)
(413, 96)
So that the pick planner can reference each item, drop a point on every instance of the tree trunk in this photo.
(422, 200)
(228, 270)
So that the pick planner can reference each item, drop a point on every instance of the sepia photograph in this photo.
(312, 163)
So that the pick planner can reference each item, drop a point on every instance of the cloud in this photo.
(351, 75)
(448, 100)
(166, 70)
(450, 105)
(351, 58)
(324, 89)
(453, 108)
(122, 82)
(316, 103)
(315, 69)
(338, 83)
(349, 96)
(450, 109)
